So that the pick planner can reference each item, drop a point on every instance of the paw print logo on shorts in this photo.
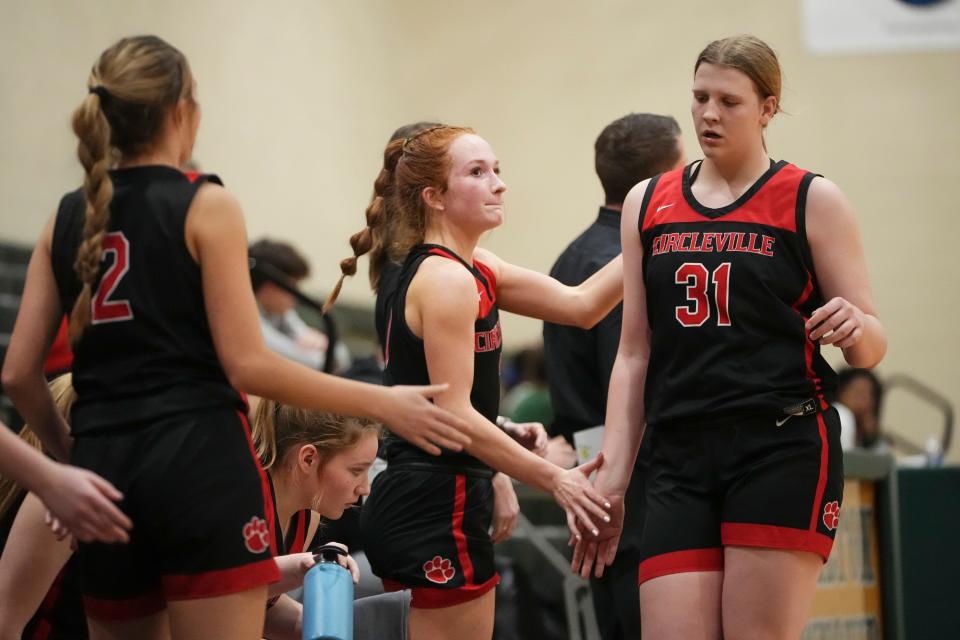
(256, 535)
(831, 515)
(438, 570)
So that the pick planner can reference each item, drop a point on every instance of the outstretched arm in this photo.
(536, 295)
(216, 237)
(442, 307)
(625, 408)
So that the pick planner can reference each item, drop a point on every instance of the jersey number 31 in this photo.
(697, 279)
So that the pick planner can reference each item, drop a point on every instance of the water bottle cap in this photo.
(328, 553)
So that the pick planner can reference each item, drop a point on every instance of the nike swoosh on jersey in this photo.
(664, 206)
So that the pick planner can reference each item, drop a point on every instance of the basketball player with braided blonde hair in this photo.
(151, 264)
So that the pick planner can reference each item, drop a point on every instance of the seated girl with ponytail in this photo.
(426, 523)
(316, 464)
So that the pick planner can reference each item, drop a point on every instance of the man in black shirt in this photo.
(629, 150)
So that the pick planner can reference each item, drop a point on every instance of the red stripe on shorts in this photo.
(459, 503)
(264, 486)
(222, 582)
(822, 480)
(765, 536)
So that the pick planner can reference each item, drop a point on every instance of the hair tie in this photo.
(101, 92)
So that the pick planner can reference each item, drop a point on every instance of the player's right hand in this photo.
(595, 553)
(414, 418)
(82, 503)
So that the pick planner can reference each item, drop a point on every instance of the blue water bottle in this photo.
(328, 597)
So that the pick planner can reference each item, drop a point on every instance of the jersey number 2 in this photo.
(105, 309)
(696, 278)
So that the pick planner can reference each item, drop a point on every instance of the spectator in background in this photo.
(859, 393)
(529, 399)
(579, 361)
(283, 329)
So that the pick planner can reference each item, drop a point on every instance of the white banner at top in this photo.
(865, 26)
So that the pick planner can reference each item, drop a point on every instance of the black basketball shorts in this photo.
(752, 483)
(428, 530)
(201, 508)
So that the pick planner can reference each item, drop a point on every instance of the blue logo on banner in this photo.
(922, 3)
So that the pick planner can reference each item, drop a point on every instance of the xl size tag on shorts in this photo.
(804, 408)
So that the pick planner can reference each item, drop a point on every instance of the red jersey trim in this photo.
(300, 539)
(487, 291)
(771, 201)
(809, 347)
(430, 598)
(195, 176)
(692, 560)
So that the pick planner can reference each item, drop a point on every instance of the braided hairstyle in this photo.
(132, 86)
(397, 216)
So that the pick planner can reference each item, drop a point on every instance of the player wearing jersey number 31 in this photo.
(737, 270)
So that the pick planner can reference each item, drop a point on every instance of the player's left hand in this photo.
(506, 508)
(838, 322)
(530, 435)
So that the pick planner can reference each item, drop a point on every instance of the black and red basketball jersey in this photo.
(728, 293)
(148, 351)
(406, 362)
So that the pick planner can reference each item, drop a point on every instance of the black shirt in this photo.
(406, 361)
(148, 351)
(579, 361)
(729, 291)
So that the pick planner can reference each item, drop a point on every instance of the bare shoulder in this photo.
(828, 209)
(444, 286)
(215, 219)
(445, 278)
(214, 198)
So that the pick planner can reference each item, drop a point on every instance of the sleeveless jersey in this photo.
(296, 539)
(148, 351)
(406, 362)
(728, 293)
